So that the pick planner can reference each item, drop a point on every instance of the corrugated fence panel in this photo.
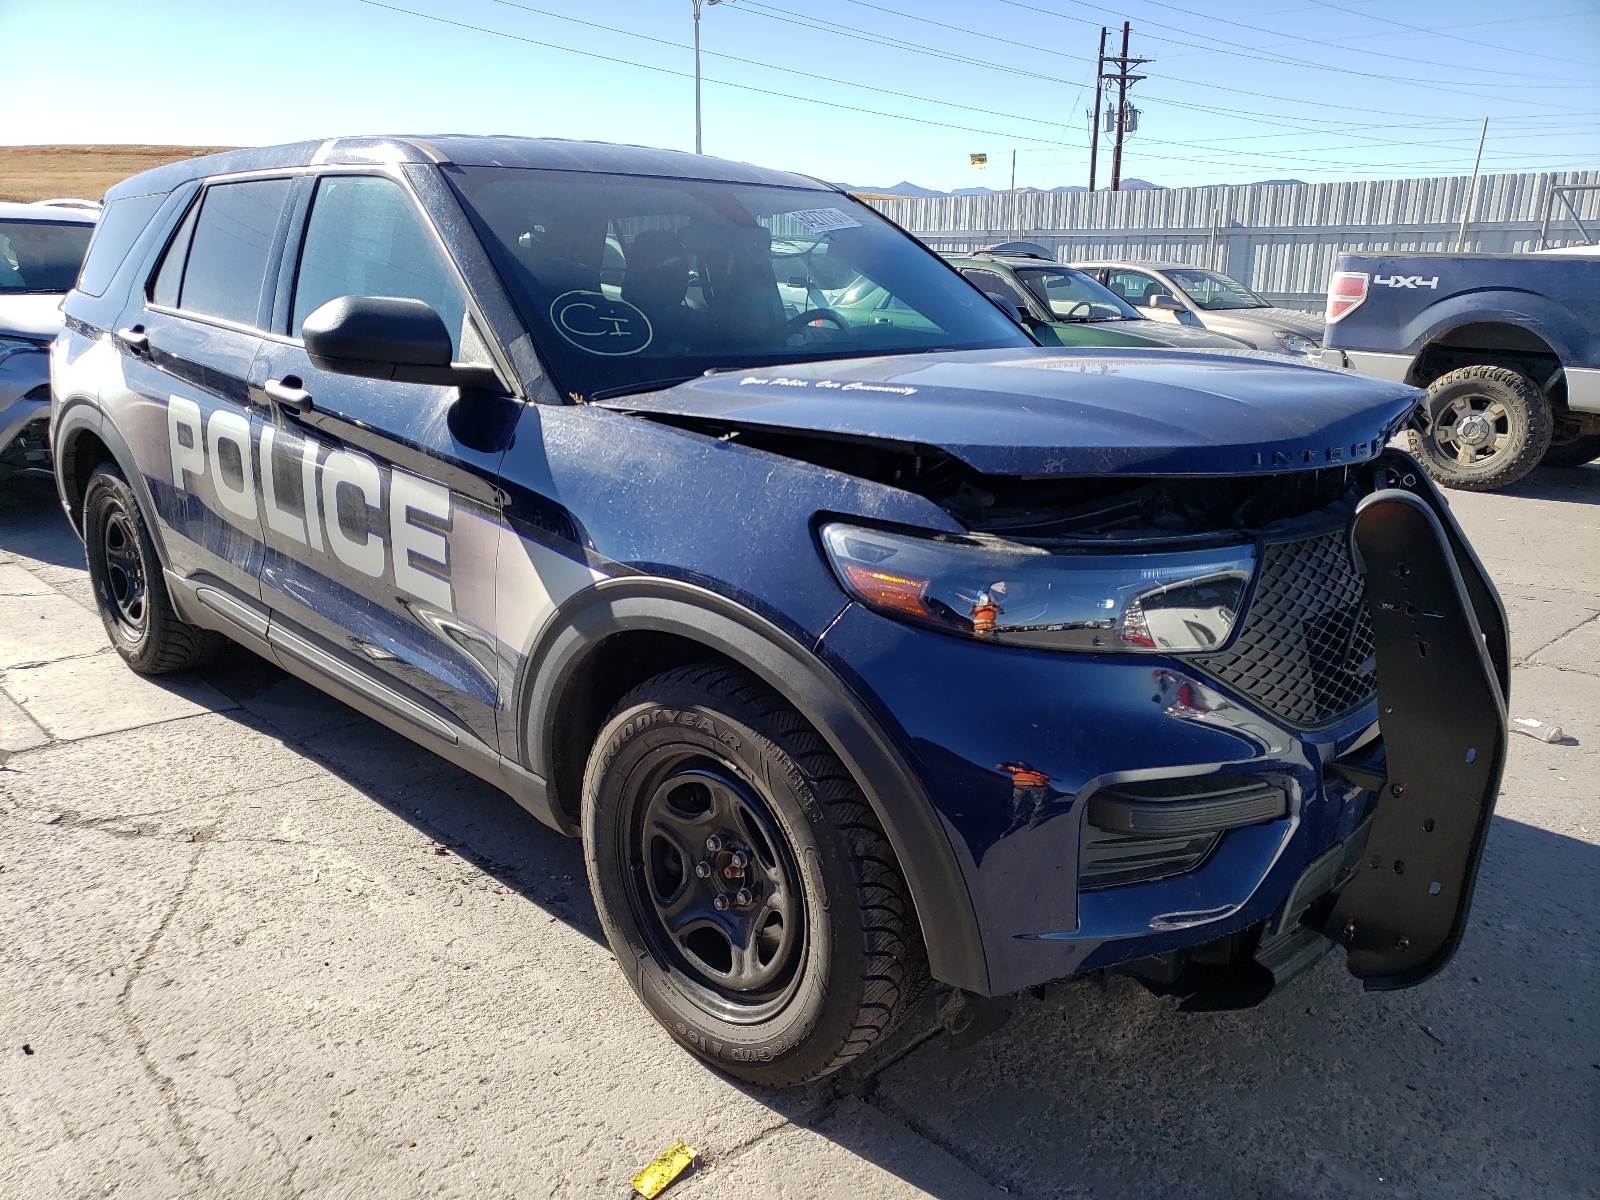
(1281, 239)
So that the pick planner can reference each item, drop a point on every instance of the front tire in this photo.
(1487, 427)
(743, 881)
(129, 589)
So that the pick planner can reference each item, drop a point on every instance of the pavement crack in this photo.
(163, 1083)
(1562, 636)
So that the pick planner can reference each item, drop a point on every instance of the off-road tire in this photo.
(862, 965)
(149, 636)
(1526, 417)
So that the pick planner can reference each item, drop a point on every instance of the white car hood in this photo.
(31, 316)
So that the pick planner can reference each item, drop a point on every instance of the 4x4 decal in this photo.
(1405, 281)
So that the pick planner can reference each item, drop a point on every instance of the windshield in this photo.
(1073, 296)
(41, 256)
(630, 281)
(1215, 292)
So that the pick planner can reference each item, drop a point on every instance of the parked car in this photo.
(857, 653)
(1066, 307)
(1210, 300)
(41, 249)
(1508, 346)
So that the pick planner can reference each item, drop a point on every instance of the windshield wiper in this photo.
(633, 389)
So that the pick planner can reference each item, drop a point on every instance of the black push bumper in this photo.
(1443, 679)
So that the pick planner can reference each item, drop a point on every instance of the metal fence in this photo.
(1281, 239)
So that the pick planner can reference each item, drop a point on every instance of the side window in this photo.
(114, 234)
(229, 249)
(997, 284)
(366, 238)
(164, 289)
(1132, 286)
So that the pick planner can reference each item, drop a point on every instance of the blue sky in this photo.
(860, 91)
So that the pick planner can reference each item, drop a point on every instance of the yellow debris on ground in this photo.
(658, 1176)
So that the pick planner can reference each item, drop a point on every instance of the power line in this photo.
(1222, 48)
(745, 87)
(1445, 34)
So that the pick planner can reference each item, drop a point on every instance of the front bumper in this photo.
(22, 372)
(964, 712)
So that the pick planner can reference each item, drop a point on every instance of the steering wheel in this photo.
(1072, 314)
(795, 323)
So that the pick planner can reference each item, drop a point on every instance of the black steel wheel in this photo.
(1485, 428)
(128, 586)
(743, 880)
(712, 866)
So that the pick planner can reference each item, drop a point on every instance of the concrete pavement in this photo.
(257, 946)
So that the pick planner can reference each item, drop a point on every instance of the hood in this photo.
(1170, 333)
(1254, 322)
(1042, 412)
(31, 316)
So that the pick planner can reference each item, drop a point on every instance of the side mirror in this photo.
(389, 337)
(1006, 305)
(1164, 302)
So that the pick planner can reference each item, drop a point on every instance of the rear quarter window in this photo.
(232, 243)
(119, 227)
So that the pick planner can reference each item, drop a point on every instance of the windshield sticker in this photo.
(597, 324)
(823, 220)
(825, 385)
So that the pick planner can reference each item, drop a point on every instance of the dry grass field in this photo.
(44, 172)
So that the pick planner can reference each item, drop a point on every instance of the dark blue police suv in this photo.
(863, 645)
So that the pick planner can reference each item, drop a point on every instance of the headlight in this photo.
(1295, 343)
(1026, 596)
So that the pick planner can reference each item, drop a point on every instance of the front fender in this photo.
(75, 419)
(927, 859)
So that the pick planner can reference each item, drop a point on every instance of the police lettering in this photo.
(417, 546)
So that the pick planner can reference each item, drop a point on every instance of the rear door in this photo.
(188, 346)
(381, 510)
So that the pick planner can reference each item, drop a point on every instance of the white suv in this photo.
(41, 249)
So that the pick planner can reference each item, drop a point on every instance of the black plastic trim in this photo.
(927, 860)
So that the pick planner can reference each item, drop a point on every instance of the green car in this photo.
(1065, 307)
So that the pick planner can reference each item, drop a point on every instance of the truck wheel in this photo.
(744, 883)
(129, 589)
(1569, 447)
(1487, 428)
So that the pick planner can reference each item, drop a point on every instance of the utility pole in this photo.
(697, 148)
(1099, 90)
(1472, 188)
(1123, 80)
(1015, 233)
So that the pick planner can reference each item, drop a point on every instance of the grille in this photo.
(1305, 651)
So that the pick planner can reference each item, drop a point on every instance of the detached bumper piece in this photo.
(1442, 710)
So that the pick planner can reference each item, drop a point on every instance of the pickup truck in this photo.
(1508, 346)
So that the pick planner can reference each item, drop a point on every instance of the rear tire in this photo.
(1487, 428)
(743, 881)
(1572, 450)
(129, 589)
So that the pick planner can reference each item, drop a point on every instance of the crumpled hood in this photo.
(1066, 412)
(31, 316)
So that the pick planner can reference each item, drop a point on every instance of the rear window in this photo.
(227, 260)
(119, 227)
(41, 256)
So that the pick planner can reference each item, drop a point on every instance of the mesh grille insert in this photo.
(1305, 650)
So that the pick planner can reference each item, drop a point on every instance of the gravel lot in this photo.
(256, 946)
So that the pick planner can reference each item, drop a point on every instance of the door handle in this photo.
(288, 392)
(134, 339)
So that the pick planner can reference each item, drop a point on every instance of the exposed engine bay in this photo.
(1072, 509)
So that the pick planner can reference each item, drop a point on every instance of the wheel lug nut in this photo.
(720, 904)
(739, 860)
(703, 870)
(714, 842)
(743, 897)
